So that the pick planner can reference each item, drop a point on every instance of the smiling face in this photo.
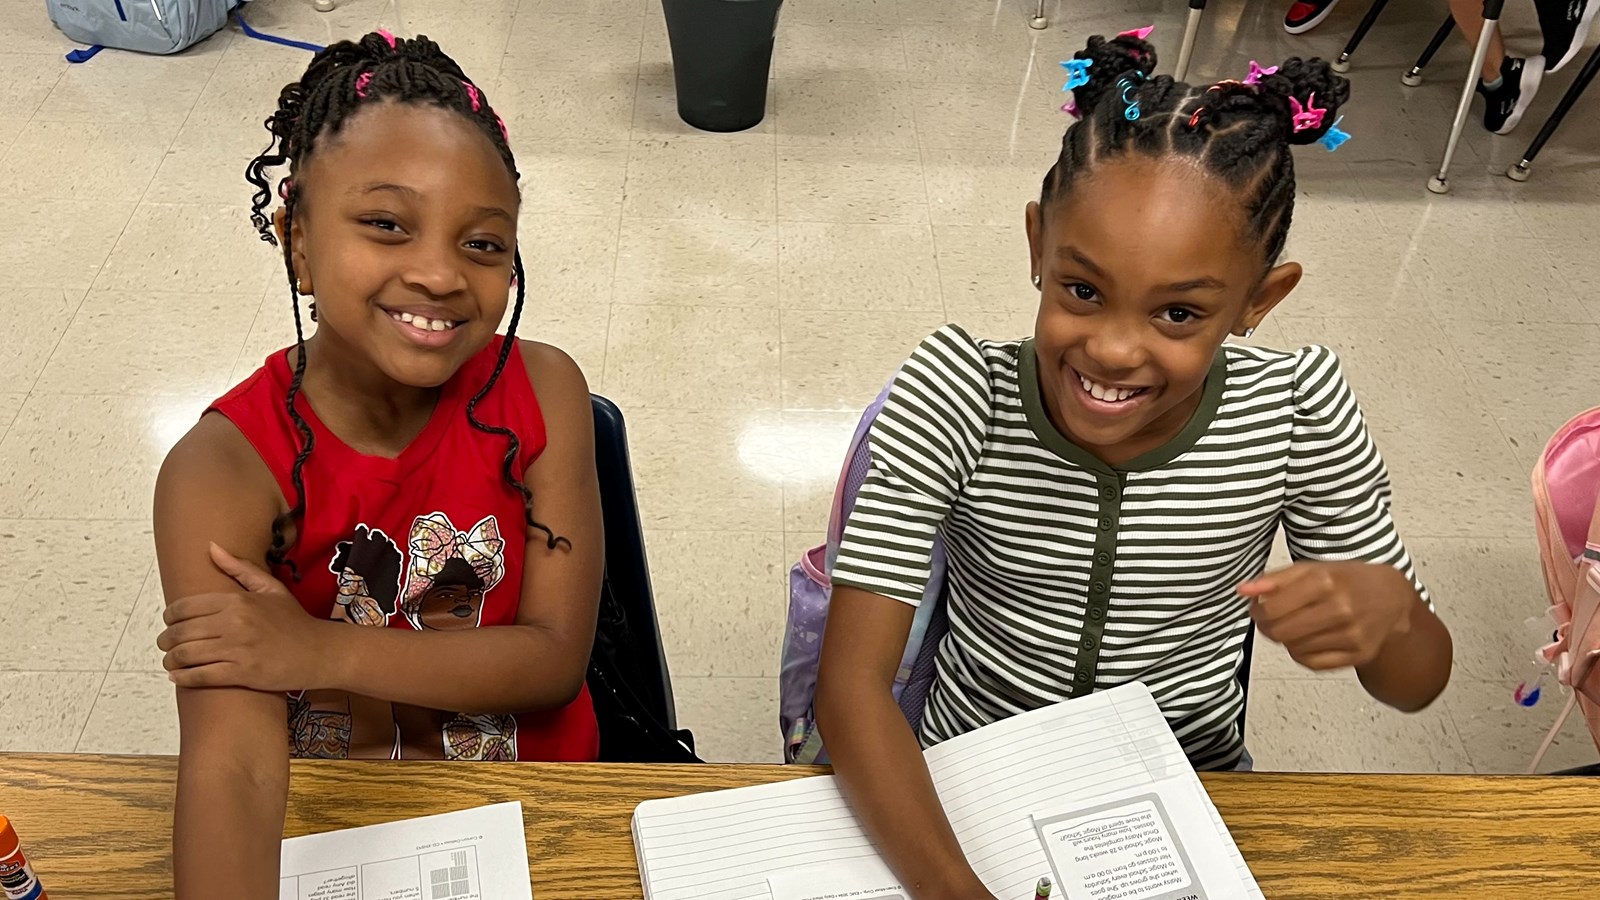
(1145, 269)
(405, 234)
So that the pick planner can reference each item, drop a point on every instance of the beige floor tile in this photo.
(1502, 737)
(840, 361)
(349, 20)
(1574, 259)
(562, 43)
(730, 458)
(9, 129)
(989, 116)
(474, 34)
(859, 185)
(982, 187)
(69, 618)
(151, 343)
(858, 268)
(583, 178)
(206, 163)
(58, 243)
(985, 12)
(10, 405)
(797, 543)
(273, 329)
(684, 357)
(1009, 322)
(1331, 725)
(136, 712)
(617, 8)
(999, 52)
(136, 649)
(579, 328)
(807, 449)
(25, 80)
(568, 260)
(244, 92)
(1464, 282)
(655, 57)
(38, 318)
(1354, 274)
(1511, 365)
(984, 266)
(707, 262)
(71, 160)
(90, 456)
(840, 50)
(720, 596)
(840, 12)
(182, 246)
(1486, 591)
(733, 180)
(131, 88)
(655, 115)
(45, 711)
(1418, 406)
(590, 106)
(734, 720)
(845, 112)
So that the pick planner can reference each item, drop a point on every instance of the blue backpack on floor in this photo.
(147, 26)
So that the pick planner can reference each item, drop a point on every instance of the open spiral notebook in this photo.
(725, 845)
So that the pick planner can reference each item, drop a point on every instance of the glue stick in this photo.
(17, 881)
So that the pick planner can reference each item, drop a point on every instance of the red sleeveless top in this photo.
(432, 539)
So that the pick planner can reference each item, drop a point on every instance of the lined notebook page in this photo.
(723, 845)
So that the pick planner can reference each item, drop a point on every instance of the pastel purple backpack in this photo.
(810, 588)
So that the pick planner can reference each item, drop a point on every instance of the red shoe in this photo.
(1305, 15)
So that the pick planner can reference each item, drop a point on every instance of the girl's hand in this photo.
(1332, 615)
(260, 638)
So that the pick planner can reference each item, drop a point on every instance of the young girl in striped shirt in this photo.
(1108, 490)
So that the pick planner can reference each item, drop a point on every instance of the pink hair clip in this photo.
(1306, 117)
(1071, 109)
(1257, 72)
(362, 80)
(384, 32)
(1140, 33)
(472, 94)
(284, 187)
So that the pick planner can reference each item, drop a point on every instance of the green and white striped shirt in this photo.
(1067, 575)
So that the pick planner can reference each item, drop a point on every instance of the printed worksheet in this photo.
(474, 854)
(865, 879)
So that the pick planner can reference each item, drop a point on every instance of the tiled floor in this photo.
(742, 296)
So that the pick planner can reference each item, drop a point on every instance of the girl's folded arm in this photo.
(233, 764)
(876, 757)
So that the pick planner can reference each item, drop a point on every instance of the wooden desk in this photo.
(99, 827)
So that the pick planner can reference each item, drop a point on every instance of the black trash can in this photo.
(721, 55)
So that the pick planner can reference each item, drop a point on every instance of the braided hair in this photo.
(340, 81)
(1237, 132)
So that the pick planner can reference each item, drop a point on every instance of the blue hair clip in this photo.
(1131, 113)
(1077, 73)
(1335, 137)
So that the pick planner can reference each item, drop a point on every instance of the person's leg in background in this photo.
(1304, 15)
(1509, 83)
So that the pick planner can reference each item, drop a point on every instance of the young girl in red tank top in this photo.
(347, 539)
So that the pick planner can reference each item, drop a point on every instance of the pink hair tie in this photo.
(1140, 33)
(472, 94)
(362, 80)
(1306, 117)
(384, 33)
(284, 187)
(1071, 109)
(503, 132)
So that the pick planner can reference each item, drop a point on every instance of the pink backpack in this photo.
(809, 592)
(1566, 501)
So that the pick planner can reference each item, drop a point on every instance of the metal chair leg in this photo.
(1342, 64)
(1440, 183)
(1191, 30)
(1039, 22)
(1519, 172)
(1413, 75)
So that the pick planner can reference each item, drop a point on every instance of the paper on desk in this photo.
(474, 854)
(862, 879)
(1154, 842)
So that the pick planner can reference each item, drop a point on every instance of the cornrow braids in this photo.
(340, 81)
(1239, 133)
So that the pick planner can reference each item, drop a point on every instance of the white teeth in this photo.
(439, 325)
(422, 323)
(1105, 394)
(406, 317)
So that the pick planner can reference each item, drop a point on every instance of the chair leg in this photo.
(1342, 64)
(1519, 172)
(1039, 22)
(1440, 183)
(1191, 30)
(1413, 76)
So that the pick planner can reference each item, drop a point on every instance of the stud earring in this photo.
(1248, 332)
(313, 310)
(1038, 282)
